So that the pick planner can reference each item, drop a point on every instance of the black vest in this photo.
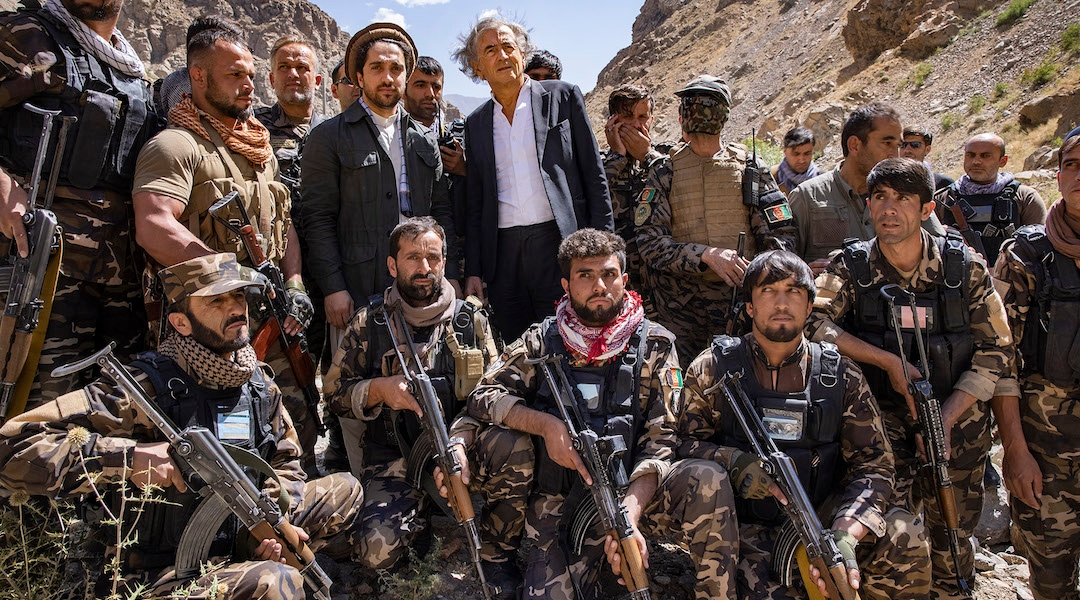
(994, 217)
(1051, 342)
(606, 396)
(188, 404)
(950, 344)
(819, 408)
(115, 119)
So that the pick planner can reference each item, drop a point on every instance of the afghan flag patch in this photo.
(644, 206)
(778, 213)
(673, 377)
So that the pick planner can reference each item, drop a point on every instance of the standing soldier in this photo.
(365, 383)
(215, 146)
(628, 374)
(968, 342)
(690, 215)
(841, 451)
(1041, 268)
(69, 56)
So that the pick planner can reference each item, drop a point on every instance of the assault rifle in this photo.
(201, 456)
(928, 412)
(435, 426)
(821, 549)
(295, 346)
(31, 281)
(737, 301)
(603, 459)
(961, 211)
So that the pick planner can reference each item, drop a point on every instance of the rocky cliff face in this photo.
(942, 63)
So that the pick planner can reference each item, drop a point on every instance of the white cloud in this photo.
(388, 15)
(491, 12)
(412, 3)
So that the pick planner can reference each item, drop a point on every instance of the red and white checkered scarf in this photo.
(597, 344)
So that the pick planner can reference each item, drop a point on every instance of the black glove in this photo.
(300, 307)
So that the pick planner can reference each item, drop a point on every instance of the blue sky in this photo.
(584, 34)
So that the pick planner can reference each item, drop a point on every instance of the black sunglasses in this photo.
(915, 145)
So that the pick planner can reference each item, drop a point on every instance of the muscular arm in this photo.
(160, 233)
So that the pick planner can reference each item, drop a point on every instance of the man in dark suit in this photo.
(534, 177)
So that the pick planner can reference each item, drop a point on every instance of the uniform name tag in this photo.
(907, 318)
(234, 427)
(590, 392)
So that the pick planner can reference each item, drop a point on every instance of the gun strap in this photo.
(48, 290)
(264, 226)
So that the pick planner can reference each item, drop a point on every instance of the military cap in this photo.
(377, 31)
(204, 276)
(707, 84)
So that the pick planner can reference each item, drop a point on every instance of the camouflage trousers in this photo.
(916, 490)
(1050, 535)
(328, 512)
(893, 567)
(694, 312)
(86, 317)
(395, 513)
(695, 499)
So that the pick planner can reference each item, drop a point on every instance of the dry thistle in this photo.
(78, 436)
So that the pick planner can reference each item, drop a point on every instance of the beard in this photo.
(782, 333)
(298, 97)
(104, 11)
(600, 316)
(220, 100)
(376, 99)
(216, 341)
(417, 295)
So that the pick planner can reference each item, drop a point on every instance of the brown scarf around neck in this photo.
(1063, 229)
(440, 311)
(251, 140)
(208, 368)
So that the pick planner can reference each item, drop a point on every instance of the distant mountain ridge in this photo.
(466, 104)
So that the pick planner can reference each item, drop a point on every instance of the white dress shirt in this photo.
(522, 197)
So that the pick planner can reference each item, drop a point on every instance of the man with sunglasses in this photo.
(690, 215)
(342, 89)
(917, 144)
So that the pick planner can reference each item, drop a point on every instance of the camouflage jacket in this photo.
(662, 253)
(346, 385)
(868, 483)
(510, 381)
(39, 452)
(626, 179)
(989, 327)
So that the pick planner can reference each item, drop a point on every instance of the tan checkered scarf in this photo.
(250, 140)
(209, 369)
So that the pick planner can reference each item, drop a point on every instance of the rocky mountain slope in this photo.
(944, 63)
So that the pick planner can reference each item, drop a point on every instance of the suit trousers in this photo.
(527, 283)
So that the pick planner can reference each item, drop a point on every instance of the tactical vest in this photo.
(949, 343)
(606, 397)
(266, 201)
(807, 423)
(706, 199)
(402, 428)
(226, 412)
(994, 217)
(1051, 342)
(115, 118)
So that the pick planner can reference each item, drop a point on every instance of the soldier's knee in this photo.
(705, 481)
(381, 548)
(500, 448)
(269, 581)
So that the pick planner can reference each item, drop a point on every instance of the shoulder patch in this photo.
(644, 208)
(672, 377)
(778, 213)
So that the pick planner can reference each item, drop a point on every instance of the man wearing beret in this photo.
(690, 215)
(366, 170)
(204, 373)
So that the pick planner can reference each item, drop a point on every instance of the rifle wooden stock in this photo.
(633, 567)
(294, 550)
(300, 361)
(251, 244)
(947, 503)
(836, 580)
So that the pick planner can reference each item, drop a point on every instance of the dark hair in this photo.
(587, 243)
(429, 66)
(1067, 147)
(203, 41)
(542, 59)
(339, 67)
(797, 136)
(905, 175)
(406, 52)
(862, 121)
(924, 133)
(412, 228)
(205, 22)
(778, 265)
(623, 99)
(467, 54)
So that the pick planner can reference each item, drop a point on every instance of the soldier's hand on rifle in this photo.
(899, 382)
(846, 542)
(301, 310)
(726, 263)
(749, 479)
(12, 208)
(453, 159)
(394, 392)
(561, 448)
(611, 549)
(463, 460)
(339, 309)
(270, 549)
(152, 465)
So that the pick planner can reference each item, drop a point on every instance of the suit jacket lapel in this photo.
(541, 111)
(484, 146)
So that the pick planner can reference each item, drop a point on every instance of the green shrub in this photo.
(949, 121)
(1000, 89)
(920, 73)
(977, 103)
(1040, 75)
(1014, 12)
(770, 154)
(1070, 38)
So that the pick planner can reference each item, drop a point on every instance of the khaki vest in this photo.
(265, 200)
(706, 198)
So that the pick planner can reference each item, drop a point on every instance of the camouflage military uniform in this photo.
(1049, 535)
(395, 513)
(971, 437)
(97, 295)
(693, 496)
(689, 299)
(626, 180)
(893, 558)
(39, 456)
